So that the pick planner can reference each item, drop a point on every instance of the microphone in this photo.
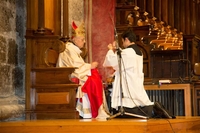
(116, 42)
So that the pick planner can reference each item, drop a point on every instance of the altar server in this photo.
(128, 89)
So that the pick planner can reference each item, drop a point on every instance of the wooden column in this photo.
(198, 19)
(194, 17)
(140, 4)
(171, 13)
(57, 17)
(150, 7)
(187, 13)
(65, 36)
(32, 15)
(44, 16)
(157, 9)
(41, 14)
(164, 10)
(41, 17)
(182, 19)
(177, 13)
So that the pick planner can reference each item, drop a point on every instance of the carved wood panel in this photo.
(50, 94)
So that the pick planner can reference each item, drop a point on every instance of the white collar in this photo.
(73, 46)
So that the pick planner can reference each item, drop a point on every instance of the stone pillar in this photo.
(12, 59)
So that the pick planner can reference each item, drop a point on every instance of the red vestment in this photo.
(94, 89)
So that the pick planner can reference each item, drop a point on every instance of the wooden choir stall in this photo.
(50, 93)
(169, 58)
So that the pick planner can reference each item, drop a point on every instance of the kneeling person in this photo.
(129, 77)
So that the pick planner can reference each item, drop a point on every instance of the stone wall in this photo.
(12, 59)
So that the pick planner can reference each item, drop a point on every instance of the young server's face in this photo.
(125, 42)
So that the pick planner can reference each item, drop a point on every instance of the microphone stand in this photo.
(121, 110)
